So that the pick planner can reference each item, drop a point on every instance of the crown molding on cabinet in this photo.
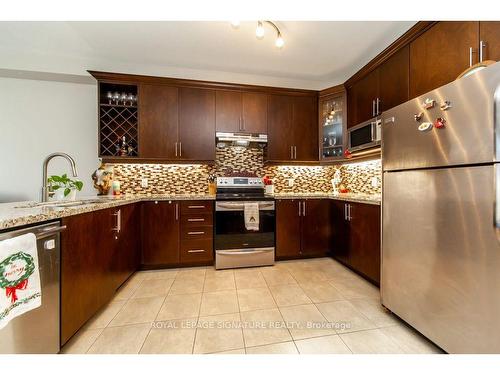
(413, 33)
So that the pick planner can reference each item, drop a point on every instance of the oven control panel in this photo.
(243, 182)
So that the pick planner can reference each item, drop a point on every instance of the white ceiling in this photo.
(316, 54)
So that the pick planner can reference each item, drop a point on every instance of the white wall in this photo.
(38, 118)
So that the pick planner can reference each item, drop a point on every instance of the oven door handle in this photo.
(232, 252)
(241, 206)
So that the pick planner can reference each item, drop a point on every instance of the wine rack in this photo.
(118, 118)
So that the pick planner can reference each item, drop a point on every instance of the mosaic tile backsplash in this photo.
(192, 179)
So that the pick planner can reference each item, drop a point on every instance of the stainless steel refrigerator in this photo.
(441, 213)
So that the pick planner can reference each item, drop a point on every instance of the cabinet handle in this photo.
(177, 211)
(300, 209)
(295, 152)
(482, 44)
(377, 101)
(195, 233)
(291, 152)
(196, 219)
(180, 148)
(470, 56)
(196, 207)
(196, 251)
(175, 149)
(373, 108)
(118, 226)
(345, 211)
(304, 208)
(349, 217)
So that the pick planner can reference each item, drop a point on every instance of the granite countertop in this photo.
(350, 197)
(22, 213)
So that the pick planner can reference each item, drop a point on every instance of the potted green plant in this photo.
(64, 187)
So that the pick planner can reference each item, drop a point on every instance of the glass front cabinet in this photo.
(332, 125)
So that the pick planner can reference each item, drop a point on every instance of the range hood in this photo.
(241, 139)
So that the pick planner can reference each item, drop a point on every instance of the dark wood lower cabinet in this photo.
(287, 228)
(197, 237)
(341, 232)
(303, 228)
(160, 233)
(356, 238)
(316, 227)
(127, 258)
(177, 233)
(95, 261)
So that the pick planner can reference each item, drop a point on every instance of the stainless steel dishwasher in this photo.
(37, 331)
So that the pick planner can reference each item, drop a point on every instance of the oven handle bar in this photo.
(227, 206)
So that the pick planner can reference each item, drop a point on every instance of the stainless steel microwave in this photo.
(365, 135)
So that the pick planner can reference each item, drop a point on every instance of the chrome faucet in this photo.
(45, 188)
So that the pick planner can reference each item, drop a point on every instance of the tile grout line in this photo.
(241, 319)
(199, 311)
(107, 325)
(282, 317)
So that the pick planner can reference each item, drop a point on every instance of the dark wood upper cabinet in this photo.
(292, 128)
(489, 34)
(254, 112)
(305, 128)
(394, 80)
(361, 98)
(196, 124)
(280, 128)
(158, 117)
(439, 55)
(316, 226)
(160, 233)
(244, 112)
(287, 228)
(228, 111)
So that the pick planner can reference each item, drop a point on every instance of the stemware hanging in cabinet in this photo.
(118, 120)
(332, 126)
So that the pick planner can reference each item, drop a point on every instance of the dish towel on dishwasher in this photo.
(20, 289)
(252, 216)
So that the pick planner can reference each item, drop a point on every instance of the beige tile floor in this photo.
(314, 306)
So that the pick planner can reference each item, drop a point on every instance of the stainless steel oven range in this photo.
(237, 244)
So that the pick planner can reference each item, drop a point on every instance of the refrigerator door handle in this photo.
(497, 201)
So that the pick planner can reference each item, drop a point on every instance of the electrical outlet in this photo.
(291, 181)
(144, 182)
(375, 182)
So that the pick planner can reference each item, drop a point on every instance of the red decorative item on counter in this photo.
(267, 181)
(348, 154)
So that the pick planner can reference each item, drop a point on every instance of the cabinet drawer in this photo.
(194, 219)
(196, 251)
(197, 232)
(193, 207)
